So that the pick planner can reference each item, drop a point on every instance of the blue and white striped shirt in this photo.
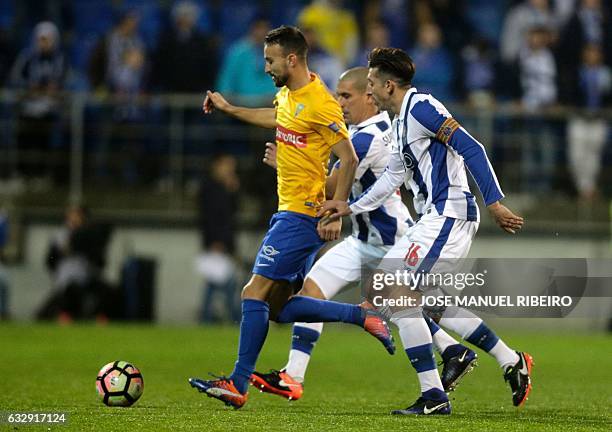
(430, 153)
(387, 223)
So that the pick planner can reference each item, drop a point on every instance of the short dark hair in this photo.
(290, 39)
(393, 62)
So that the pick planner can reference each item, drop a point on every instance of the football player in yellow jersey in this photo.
(309, 125)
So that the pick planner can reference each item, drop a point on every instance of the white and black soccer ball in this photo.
(119, 383)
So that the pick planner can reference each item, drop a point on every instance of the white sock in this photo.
(460, 320)
(504, 355)
(443, 340)
(414, 332)
(298, 360)
(297, 365)
(429, 379)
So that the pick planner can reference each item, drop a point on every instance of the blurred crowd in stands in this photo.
(536, 55)
(463, 48)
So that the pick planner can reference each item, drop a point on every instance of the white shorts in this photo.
(344, 263)
(431, 238)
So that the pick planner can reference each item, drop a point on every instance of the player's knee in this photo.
(311, 289)
(252, 292)
(254, 289)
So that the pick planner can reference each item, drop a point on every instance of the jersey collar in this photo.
(380, 117)
(402, 113)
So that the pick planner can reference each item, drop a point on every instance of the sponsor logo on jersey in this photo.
(292, 138)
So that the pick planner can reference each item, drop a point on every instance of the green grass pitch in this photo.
(352, 383)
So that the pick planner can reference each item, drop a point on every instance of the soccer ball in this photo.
(119, 384)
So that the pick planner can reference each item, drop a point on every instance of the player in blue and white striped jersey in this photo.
(372, 140)
(430, 155)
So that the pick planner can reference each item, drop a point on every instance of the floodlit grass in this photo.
(352, 383)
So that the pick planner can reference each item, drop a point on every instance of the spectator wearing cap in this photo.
(39, 73)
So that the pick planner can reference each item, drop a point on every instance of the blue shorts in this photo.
(289, 248)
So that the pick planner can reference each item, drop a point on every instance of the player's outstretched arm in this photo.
(505, 218)
(262, 117)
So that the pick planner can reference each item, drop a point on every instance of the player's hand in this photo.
(270, 155)
(214, 100)
(334, 209)
(504, 217)
(328, 229)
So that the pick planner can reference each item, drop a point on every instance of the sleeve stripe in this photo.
(447, 129)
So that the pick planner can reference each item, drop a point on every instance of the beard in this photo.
(381, 105)
(279, 80)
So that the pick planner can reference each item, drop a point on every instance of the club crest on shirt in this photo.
(298, 109)
(408, 160)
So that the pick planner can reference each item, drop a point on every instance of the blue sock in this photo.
(304, 339)
(253, 332)
(483, 337)
(308, 309)
(433, 326)
(422, 357)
